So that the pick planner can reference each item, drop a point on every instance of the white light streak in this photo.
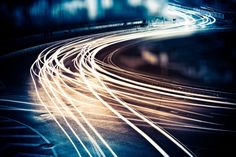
(73, 85)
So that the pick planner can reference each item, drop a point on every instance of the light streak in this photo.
(73, 85)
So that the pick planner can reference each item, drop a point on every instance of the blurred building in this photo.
(30, 16)
(223, 5)
(47, 15)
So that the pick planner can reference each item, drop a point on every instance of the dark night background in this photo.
(206, 59)
(20, 18)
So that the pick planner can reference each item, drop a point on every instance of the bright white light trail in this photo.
(81, 92)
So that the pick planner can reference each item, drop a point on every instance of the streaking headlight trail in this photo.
(84, 90)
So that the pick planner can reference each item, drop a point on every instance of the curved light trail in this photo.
(76, 89)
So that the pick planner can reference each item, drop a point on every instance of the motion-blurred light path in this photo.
(81, 92)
